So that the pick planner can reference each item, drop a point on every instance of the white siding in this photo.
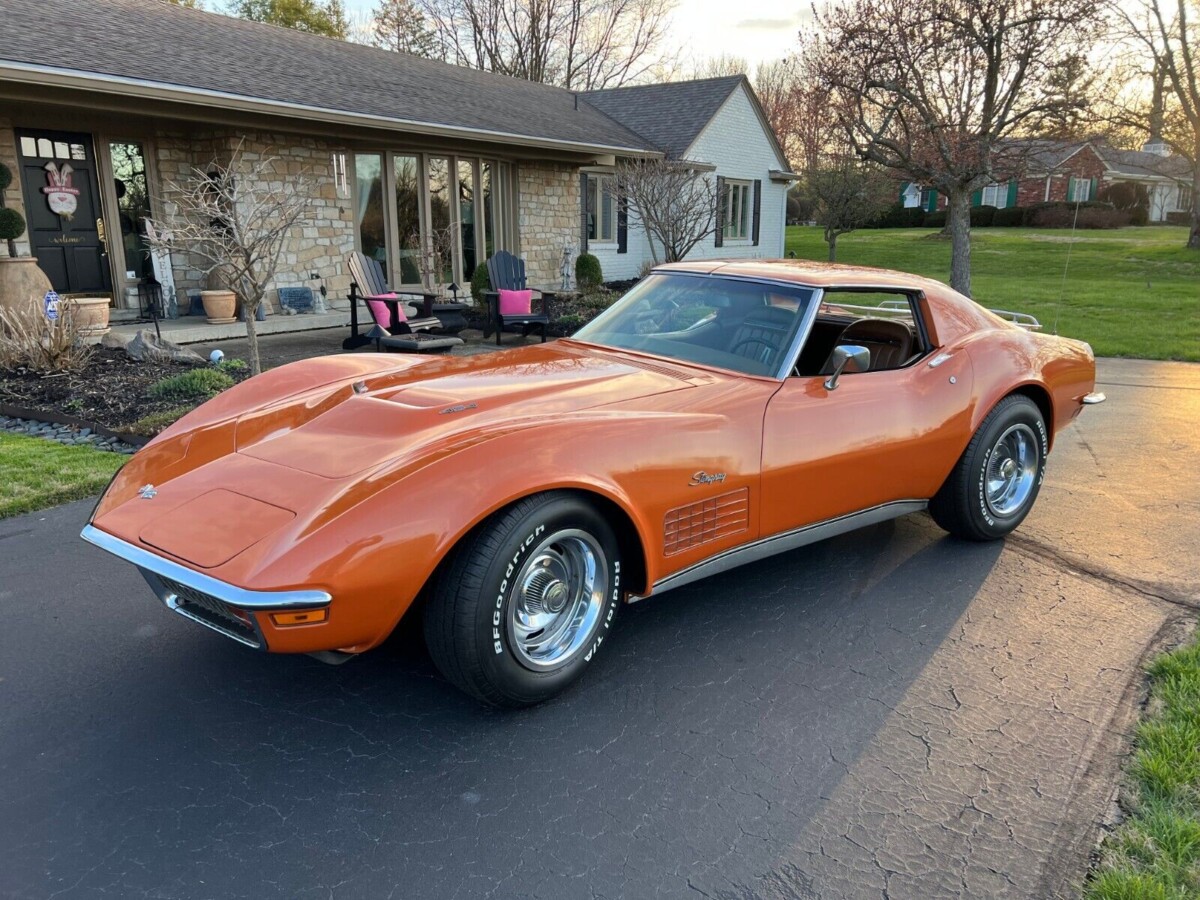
(737, 144)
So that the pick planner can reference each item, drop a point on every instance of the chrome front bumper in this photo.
(202, 598)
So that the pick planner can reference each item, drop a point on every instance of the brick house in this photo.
(1077, 170)
(394, 147)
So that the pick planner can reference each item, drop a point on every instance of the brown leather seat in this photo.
(890, 343)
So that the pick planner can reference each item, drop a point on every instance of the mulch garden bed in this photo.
(112, 390)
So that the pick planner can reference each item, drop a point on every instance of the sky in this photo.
(755, 30)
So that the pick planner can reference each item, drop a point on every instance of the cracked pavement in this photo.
(889, 714)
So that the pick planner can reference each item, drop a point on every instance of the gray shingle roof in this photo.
(157, 42)
(669, 116)
(1138, 162)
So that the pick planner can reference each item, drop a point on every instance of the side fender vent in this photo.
(709, 520)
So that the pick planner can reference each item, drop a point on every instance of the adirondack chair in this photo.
(507, 272)
(369, 285)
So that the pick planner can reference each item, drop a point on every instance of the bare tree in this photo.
(720, 66)
(577, 44)
(1168, 33)
(232, 224)
(849, 194)
(936, 89)
(672, 201)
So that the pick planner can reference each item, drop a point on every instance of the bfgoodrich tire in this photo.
(526, 601)
(997, 479)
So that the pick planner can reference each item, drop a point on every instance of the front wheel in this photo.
(997, 479)
(526, 601)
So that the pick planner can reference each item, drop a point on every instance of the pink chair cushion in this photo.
(381, 313)
(515, 303)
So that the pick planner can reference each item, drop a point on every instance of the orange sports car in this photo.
(718, 413)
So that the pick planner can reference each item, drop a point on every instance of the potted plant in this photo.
(22, 283)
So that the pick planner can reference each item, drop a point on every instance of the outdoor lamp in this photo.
(454, 290)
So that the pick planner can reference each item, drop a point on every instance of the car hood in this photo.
(348, 430)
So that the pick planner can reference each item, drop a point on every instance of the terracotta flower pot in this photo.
(22, 283)
(219, 306)
(91, 315)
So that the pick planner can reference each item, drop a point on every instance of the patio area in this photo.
(197, 329)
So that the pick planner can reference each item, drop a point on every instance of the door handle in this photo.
(100, 233)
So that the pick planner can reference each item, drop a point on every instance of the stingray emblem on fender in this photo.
(703, 477)
(462, 407)
(147, 492)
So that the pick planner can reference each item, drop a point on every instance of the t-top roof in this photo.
(157, 43)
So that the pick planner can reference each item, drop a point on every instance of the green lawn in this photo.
(1130, 292)
(1155, 854)
(36, 473)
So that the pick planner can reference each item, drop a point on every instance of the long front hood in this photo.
(394, 415)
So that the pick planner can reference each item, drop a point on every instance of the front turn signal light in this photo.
(303, 617)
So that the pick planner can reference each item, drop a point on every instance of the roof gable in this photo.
(151, 42)
(669, 116)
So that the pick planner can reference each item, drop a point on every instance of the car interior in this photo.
(750, 326)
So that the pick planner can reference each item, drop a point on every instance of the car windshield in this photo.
(731, 323)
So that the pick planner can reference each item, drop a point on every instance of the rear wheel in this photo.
(526, 601)
(997, 479)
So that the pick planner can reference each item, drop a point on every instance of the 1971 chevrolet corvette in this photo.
(720, 412)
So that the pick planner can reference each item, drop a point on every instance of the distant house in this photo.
(1078, 170)
(717, 123)
(395, 148)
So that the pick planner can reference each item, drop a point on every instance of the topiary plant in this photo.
(5, 180)
(480, 282)
(587, 272)
(12, 226)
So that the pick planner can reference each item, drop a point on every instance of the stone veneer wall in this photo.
(13, 198)
(322, 245)
(548, 218)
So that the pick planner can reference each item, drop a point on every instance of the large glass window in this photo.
(487, 211)
(737, 210)
(406, 174)
(995, 195)
(466, 214)
(602, 209)
(439, 240)
(1079, 190)
(133, 205)
(368, 208)
(723, 322)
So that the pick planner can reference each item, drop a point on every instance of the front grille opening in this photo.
(216, 614)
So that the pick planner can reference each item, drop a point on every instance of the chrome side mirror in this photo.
(848, 358)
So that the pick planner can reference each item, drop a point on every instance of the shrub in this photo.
(480, 283)
(1139, 215)
(232, 365)
(196, 384)
(587, 271)
(1009, 217)
(598, 301)
(1125, 195)
(12, 226)
(898, 216)
(5, 178)
(570, 322)
(1179, 218)
(1063, 214)
(982, 216)
(148, 426)
(1103, 218)
(936, 219)
(29, 340)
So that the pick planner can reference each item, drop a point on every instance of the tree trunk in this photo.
(1194, 234)
(958, 222)
(831, 238)
(249, 309)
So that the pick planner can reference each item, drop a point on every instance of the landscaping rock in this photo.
(148, 347)
(114, 341)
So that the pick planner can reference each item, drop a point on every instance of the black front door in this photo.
(62, 206)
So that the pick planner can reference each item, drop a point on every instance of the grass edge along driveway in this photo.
(1131, 292)
(36, 473)
(1155, 853)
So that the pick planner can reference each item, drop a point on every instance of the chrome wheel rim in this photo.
(1012, 471)
(556, 599)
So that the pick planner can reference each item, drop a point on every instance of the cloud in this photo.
(775, 23)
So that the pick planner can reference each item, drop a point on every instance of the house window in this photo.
(928, 199)
(1183, 201)
(368, 206)
(737, 210)
(995, 195)
(1079, 190)
(602, 209)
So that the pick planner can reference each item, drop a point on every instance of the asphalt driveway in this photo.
(892, 713)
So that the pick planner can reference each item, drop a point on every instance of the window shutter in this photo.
(903, 188)
(1093, 189)
(719, 238)
(932, 205)
(1012, 194)
(757, 208)
(583, 212)
(977, 198)
(622, 223)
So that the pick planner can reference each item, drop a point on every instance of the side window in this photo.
(884, 322)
